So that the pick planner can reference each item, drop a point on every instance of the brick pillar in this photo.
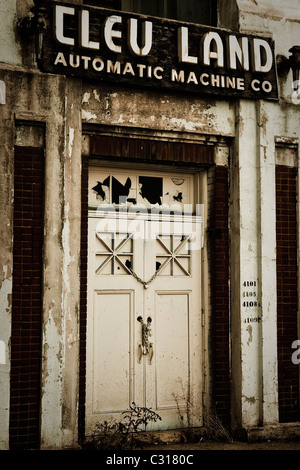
(27, 298)
(287, 291)
(220, 294)
(83, 295)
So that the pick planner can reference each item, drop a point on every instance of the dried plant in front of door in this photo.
(118, 435)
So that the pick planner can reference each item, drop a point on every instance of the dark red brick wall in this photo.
(219, 268)
(83, 296)
(287, 291)
(27, 298)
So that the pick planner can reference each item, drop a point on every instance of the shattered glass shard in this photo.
(120, 191)
(178, 197)
(151, 189)
(99, 190)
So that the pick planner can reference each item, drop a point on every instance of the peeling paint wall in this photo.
(168, 112)
(6, 235)
(5, 307)
(10, 50)
(35, 97)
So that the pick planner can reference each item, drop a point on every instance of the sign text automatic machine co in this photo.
(129, 49)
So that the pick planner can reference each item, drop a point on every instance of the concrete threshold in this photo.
(280, 432)
(174, 436)
(270, 432)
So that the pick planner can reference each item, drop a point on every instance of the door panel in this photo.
(112, 349)
(172, 349)
(174, 379)
(143, 269)
(114, 376)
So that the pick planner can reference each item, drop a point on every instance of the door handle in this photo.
(151, 352)
(144, 346)
(140, 352)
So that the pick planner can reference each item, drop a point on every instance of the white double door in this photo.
(144, 340)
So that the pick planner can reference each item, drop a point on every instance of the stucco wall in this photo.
(34, 97)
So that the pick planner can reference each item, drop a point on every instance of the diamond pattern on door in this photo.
(173, 255)
(115, 255)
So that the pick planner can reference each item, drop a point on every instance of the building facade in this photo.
(150, 216)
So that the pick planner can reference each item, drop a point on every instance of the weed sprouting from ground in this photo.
(212, 429)
(117, 435)
(137, 417)
(215, 430)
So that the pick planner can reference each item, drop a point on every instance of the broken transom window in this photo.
(138, 190)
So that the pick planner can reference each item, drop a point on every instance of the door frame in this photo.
(213, 153)
(199, 181)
